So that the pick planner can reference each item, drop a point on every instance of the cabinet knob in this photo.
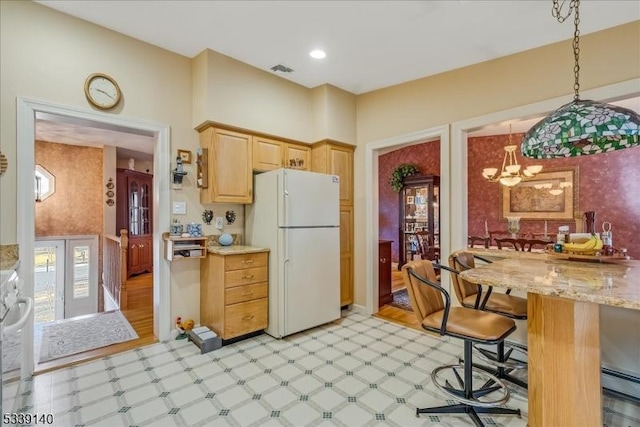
(383, 260)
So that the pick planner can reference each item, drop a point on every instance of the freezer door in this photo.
(311, 277)
(309, 199)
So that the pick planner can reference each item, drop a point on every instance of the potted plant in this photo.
(400, 173)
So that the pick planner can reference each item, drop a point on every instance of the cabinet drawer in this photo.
(245, 277)
(245, 293)
(245, 317)
(237, 262)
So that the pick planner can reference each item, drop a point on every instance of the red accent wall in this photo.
(608, 184)
(427, 157)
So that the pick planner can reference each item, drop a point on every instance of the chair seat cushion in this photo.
(501, 303)
(474, 324)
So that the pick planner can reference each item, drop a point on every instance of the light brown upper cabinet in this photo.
(335, 159)
(297, 156)
(269, 154)
(229, 166)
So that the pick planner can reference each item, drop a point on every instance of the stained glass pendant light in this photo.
(580, 127)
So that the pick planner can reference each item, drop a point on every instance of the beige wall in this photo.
(47, 55)
(241, 95)
(607, 57)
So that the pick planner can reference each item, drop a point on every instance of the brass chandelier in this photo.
(511, 173)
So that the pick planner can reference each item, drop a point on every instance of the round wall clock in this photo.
(102, 91)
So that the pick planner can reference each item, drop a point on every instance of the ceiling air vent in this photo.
(281, 68)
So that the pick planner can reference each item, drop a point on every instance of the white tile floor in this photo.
(357, 371)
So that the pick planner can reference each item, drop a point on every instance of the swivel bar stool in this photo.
(432, 305)
(471, 296)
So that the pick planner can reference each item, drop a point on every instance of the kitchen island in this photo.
(563, 327)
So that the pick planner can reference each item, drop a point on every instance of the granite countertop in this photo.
(234, 250)
(616, 284)
(7, 271)
(8, 256)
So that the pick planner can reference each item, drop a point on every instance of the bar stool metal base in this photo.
(502, 364)
(472, 401)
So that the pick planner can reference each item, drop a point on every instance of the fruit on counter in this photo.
(589, 247)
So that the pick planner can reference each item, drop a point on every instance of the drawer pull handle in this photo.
(248, 277)
(247, 293)
(247, 317)
(248, 261)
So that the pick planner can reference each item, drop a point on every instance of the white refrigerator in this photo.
(296, 214)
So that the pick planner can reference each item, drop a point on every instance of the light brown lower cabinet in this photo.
(234, 293)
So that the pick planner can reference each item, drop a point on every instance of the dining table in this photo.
(563, 326)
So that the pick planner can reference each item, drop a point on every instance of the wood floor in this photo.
(139, 313)
(395, 314)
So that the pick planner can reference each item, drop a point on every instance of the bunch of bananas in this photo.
(589, 247)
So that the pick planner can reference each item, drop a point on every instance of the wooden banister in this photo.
(115, 267)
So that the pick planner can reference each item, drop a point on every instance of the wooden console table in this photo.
(564, 328)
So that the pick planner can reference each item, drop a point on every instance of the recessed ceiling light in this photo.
(317, 54)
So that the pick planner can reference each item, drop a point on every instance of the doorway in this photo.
(26, 125)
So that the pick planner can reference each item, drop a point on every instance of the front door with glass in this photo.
(66, 278)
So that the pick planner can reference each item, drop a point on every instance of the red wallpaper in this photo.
(607, 185)
(427, 157)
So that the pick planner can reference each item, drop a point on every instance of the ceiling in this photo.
(369, 44)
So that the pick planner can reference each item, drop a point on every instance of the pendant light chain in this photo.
(557, 13)
(576, 51)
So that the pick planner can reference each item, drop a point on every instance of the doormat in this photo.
(401, 300)
(72, 336)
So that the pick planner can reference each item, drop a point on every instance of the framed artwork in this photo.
(410, 200)
(185, 155)
(532, 200)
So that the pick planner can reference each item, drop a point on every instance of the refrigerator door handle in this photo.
(285, 191)
(285, 186)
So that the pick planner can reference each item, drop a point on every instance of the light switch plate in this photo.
(219, 223)
(180, 208)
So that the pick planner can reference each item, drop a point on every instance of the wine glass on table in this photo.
(513, 226)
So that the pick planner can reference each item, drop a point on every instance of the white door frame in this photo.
(453, 169)
(26, 118)
(372, 151)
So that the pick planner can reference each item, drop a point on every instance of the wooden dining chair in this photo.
(484, 241)
(497, 234)
(426, 247)
(549, 237)
(524, 245)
